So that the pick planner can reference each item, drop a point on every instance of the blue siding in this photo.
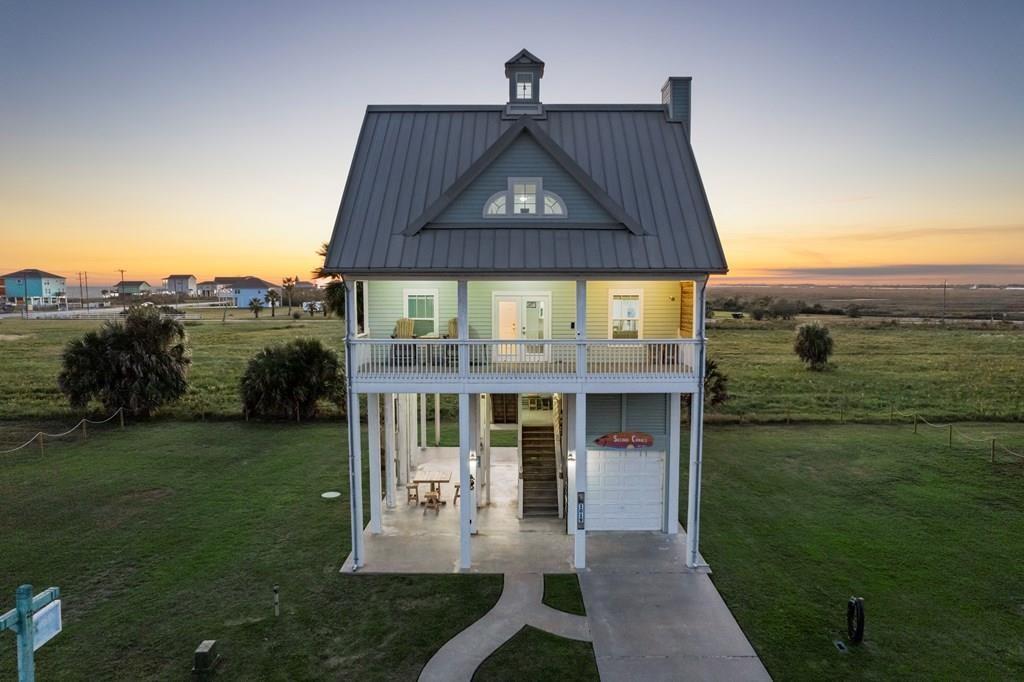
(647, 412)
(37, 286)
(243, 296)
(525, 158)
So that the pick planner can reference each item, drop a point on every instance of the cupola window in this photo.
(524, 86)
(527, 199)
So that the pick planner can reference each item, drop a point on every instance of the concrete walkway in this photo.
(654, 619)
(520, 605)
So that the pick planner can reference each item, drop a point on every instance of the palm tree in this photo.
(288, 284)
(256, 305)
(334, 298)
(319, 272)
(138, 364)
(273, 298)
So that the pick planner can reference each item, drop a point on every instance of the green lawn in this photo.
(562, 592)
(533, 654)
(168, 533)
(968, 374)
(797, 519)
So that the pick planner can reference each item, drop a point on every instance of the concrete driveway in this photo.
(651, 618)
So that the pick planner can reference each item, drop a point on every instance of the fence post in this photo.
(993, 450)
(85, 430)
(42, 450)
(951, 435)
(121, 412)
(915, 422)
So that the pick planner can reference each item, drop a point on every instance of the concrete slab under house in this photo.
(547, 265)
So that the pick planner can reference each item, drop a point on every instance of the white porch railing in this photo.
(498, 361)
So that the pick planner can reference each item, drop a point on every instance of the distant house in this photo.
(238, 291)
(305, 285)
(181, 284)
(35, 287)
(132, 287)
(206, 288)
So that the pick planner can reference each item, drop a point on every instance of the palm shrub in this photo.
(813, 345)
(290, 380)
(138, 364)
(716, 385)
(255, 305)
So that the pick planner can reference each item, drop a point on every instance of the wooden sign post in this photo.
(35, 621)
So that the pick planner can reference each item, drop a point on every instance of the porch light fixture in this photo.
(571, 455)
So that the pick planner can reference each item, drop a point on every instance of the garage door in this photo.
(625, 490)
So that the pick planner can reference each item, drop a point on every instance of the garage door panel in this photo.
(625, 490)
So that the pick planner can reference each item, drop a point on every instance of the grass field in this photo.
(168, 533)
(939, 372)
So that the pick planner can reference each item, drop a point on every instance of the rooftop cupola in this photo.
(524, 72)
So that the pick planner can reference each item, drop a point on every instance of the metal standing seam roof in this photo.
(27, 273)
(408, 157)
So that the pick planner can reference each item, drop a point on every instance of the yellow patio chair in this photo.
(403, 353)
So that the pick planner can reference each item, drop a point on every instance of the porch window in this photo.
(421, 308)
(625, 312)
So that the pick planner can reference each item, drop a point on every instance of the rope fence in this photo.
(953, 431)
(83, 423)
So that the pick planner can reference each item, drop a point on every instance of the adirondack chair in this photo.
(403, 354)
(452, 350)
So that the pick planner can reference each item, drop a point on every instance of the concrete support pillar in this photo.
(580, 426)
(373, 445)
(423, 421)
(437, 419)
(389, 449)
(671, 523)
(465, 439)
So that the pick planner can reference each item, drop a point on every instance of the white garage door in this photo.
(625, 490)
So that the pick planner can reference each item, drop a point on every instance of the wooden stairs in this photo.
(540, 484)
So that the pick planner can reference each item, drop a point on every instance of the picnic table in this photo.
(434, 479)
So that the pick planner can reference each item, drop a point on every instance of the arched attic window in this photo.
(521, 195)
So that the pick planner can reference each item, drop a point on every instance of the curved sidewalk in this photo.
(520, 605)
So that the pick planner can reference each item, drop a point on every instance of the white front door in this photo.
(521, 318)
(625, 489)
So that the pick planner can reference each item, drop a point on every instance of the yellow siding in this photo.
(661, 313)
(687, 291)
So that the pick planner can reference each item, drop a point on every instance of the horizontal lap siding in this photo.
(661, 308)
(563, 305)
(385, 301)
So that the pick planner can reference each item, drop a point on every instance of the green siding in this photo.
(662, 310)
(525, 158)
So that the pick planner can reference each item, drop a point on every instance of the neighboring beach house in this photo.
(547, 263)
(132, 288)
(181, 284)
(35, 287)
(239, 291)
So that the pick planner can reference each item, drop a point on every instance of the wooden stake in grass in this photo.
(42, 450)
(121, 413)
(993, 450)
(85, 430)
(915, 422)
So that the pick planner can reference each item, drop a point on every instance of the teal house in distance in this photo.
(34, 287)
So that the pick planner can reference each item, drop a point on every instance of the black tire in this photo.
(855, 619)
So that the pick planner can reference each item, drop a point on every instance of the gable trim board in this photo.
(528, 127)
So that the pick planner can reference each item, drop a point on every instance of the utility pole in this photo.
(943, 301)
(81, 296)
(120, 290)
(87, 288)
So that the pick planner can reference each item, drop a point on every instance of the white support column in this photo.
(672, 496)
(402, 426)
(373, 444)
(469, 492)
(423, 421)
(693, 559)
(488, 419)
(389, 448)
(570, 469)
(355, 457)
(437, 419)
(581, 326)
(580, 426)
(465, 554)
(463, 325)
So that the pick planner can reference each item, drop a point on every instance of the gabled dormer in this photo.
(524, 72)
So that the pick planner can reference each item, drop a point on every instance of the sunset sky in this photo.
(868, 142)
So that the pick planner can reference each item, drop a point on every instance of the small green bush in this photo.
(290, 380)
(813, 345)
